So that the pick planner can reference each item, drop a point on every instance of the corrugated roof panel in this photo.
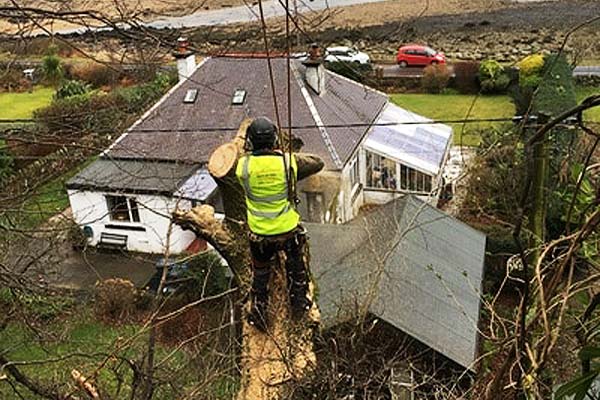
(422, 268)
(421, 146)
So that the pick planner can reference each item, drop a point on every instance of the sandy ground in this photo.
(149, 10)
(394, 11)
(141, 10)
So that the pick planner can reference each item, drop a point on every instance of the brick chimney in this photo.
(314, 75)
(186, 59)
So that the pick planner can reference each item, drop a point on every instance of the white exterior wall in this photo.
(90, 208)
(351, 195)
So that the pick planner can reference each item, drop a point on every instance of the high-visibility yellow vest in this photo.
(263, 178)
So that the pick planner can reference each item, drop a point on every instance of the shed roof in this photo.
(136, 176)
(412, 265)
(410, 138)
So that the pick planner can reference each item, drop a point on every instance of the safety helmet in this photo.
(262, 133)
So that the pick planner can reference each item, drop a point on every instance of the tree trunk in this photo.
(271, 362)
(537, 214)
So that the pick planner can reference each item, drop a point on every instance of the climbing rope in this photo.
(289, 173)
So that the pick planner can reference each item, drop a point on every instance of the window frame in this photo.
(114, 201)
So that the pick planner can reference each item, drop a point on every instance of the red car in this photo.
(415, 55)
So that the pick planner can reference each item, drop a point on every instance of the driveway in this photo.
(81, 270)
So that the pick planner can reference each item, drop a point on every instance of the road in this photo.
(393, 71)
(587, 71)
(271, 8)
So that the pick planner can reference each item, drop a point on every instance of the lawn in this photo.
(458, 107)
(22, 105)
(594, 113)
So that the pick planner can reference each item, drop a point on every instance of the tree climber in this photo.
(273, 220)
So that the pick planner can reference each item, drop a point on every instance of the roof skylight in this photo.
(190, 96)
(238, 97)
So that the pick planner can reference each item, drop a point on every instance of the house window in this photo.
(381, 172)
(121, 208)
(414, 181)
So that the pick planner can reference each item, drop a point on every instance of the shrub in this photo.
(435, 78)
(12, 79)
(206, 277)
(530, 69)
(556, 93)
(95, 74)
(100, 113)
(52, 69)
(530, 76)
(115, 299)
(356, 72)
(77, 115)
(492, 77)
(465, 76)
(496, 176)
(71, 88)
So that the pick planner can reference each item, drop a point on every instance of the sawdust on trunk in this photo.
(272, 362)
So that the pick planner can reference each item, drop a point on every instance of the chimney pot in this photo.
(186, 60)
(314, 74)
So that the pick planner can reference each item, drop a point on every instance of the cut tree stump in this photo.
(272, 362)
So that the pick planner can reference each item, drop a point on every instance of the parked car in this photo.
(177, 274)
(341, 53)
(348, 54)
(415, 55)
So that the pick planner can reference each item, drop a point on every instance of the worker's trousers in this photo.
(264, 250)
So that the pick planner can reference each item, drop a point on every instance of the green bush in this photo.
(496, 177)
(100, 113)
(71, 88)
(492, 77)
(206, 276)
(530, 76)
(530, 70)
(356, 72)
(435, 78)
(52, 68)
(556, 92)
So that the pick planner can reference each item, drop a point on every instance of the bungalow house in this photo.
(410, 265)
(373, 150)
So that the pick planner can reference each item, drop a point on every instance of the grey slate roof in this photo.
(132, 176)
(411, 265)
(178, 131)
